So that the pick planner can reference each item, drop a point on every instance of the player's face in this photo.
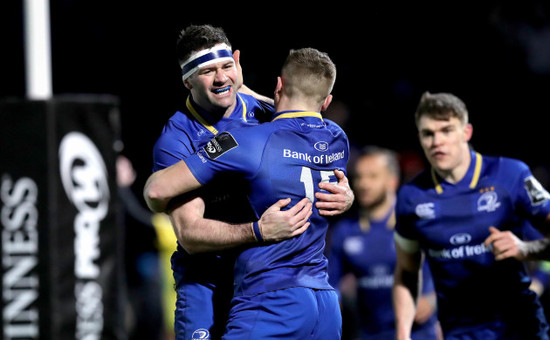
(445, 142)
(213, 86)
(372, 181)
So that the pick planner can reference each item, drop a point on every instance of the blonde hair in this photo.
(308, 74)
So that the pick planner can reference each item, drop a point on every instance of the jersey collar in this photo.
(474, 172)
(195, 111)
(389, 219)
(296, 114)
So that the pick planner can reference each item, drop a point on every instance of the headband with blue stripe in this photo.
(220, 52)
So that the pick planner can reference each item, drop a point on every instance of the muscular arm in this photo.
(406, 288)
(163, 185)
(197, 234)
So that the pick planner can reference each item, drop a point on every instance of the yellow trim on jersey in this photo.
(244, 107)
(475, 176)
(477, 171)
(203, 122)
(199, 118)
(299, 114)
(438, 187)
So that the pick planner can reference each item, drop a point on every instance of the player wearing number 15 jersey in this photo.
(281, 289)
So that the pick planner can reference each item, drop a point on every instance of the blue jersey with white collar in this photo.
(450, 223)
(286, 158)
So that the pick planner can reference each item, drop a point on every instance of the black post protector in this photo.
(61, 240)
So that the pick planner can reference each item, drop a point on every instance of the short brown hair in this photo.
(195, 38)
(441, 106)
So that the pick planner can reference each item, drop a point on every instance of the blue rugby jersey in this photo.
(450, 222)
(183, 134)
(370, 257)
(286, 158)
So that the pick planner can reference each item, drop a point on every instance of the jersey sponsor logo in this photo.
(321, 146)
(380, 276)
(460, 238)
(353, 245)
(220, 145)
(488, 201)
(425, 210)
(315, 159)
(460, 252)
(536, 192)
(200, 334)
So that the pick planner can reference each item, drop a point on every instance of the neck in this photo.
(287, 104)
(379, 210)
(458, 172)
(213, 113)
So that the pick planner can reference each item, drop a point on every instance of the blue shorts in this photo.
(201, 311)
(293, 313)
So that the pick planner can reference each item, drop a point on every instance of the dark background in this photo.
(494, 55)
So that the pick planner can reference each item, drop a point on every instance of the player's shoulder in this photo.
(506, 166)
(420, 182)
(417, 188)
(176, 129)
(247, 137)
(333, 127)
(256, 108)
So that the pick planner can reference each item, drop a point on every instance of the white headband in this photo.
(220, 52)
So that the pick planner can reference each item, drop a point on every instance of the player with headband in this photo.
(281, 289)
(203, 262)
(219, 53)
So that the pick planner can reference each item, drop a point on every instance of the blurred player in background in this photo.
(467, 215)
(281, 289)
(362, 245)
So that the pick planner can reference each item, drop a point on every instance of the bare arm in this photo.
(168, 183)
(407, 282)
(197, 234)
(425, 307)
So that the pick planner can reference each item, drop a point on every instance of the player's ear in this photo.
(278, 89)
(468, 132)
(187, 84)
(327, 102)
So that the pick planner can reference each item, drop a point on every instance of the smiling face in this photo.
(445, 144)
(212, 87)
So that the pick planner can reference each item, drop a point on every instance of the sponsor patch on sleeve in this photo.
(535, 191)
(220, 145)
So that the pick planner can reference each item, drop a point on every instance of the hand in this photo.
(277, 225)
(239, 81)
(505, 244)
(125, 173)
(339, 200)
